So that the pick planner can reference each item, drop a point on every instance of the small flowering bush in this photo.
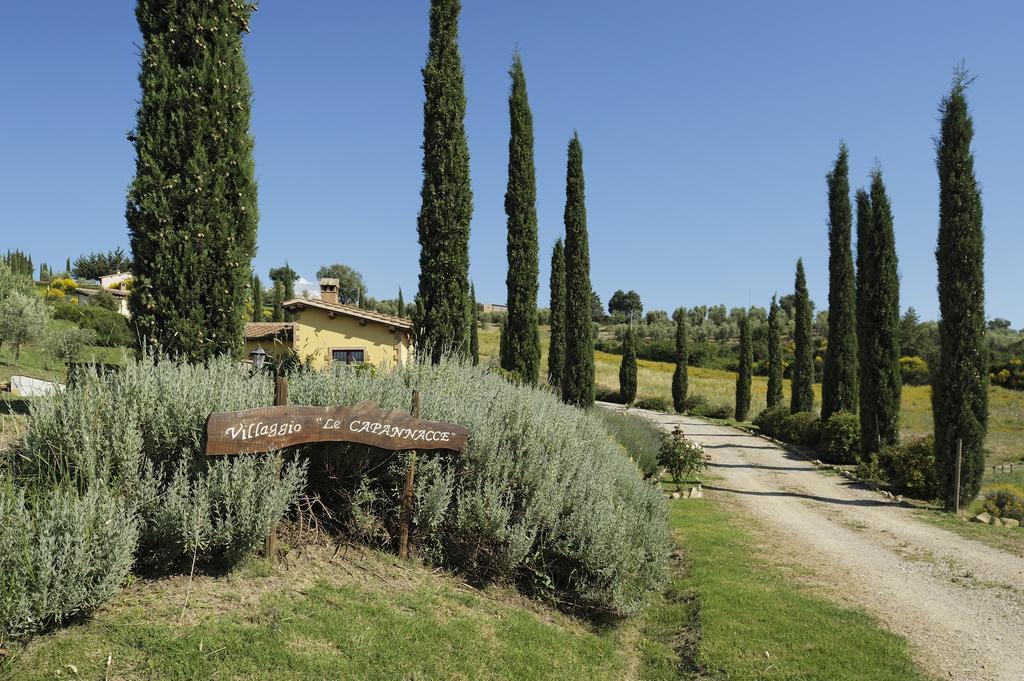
(681, 456)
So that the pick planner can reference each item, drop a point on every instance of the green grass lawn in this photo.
(756, 622)
(654, 379)
(361, 616)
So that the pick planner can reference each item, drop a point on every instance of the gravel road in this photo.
(960, 603)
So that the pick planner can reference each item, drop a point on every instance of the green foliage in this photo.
(910, 466)
(474, 327)
(626, 304)
(92, 266)
(19, 264)
(257, 298)
(287, 277)
(627, 369)
(878, 318)
(802, 384)
(277, 302)
(192, 210)
(351, 287)
(960, 389)
(840, 438)
(640, 438)
(913, 371)
(839, 379)
(62, 553)
(775, 357)
(769, 421)
(221, 513)
(681, 456)
(111, 329)
(680, 375)
(1004, 501)
(746, 370)
(802, 428)
(447, 198)
(67, 344)
(578, 372)
(654, 404)
(106, 300)
(23, 317)
(520, 343)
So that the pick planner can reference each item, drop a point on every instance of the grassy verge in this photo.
(1008, 539)
(361, 617)
(755, 621)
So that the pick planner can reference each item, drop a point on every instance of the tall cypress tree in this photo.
(775, 358)
(556, 348)
(960, 390)
(474, 331)
(627, 369)
(878, 317)
(442, 324)
(681, 376)
(802, 384)
(276, 303)
(257, 298)
(578, 374)
(746, 370)
(191, 207)
(401, 303)
(839, 382)
(520, 344)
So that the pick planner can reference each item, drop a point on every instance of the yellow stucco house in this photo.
(323, 331)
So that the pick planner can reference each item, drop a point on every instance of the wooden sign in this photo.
(261, 430)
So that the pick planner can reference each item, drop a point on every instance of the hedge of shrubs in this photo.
(541, 494)
(840, 439)
(1004, 501)
(638, 437)
(802, 428)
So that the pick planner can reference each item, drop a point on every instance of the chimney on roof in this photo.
(329, 290)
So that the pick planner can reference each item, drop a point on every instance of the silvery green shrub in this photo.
(540, 486)
(62, 553)
(540, 491)
(222, 514)
(141, 431)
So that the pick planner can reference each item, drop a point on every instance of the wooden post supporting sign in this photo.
(280, 400)
(959, 458)
(406, 518)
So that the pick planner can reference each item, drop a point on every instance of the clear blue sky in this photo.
(707, 131)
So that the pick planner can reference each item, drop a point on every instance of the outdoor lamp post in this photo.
(258, 357)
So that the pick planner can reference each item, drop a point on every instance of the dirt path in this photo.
(960, 603)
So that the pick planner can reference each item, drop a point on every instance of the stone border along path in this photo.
(958, 602)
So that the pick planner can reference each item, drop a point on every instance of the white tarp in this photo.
(26, 386)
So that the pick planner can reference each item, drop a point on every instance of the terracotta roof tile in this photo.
(359, 313)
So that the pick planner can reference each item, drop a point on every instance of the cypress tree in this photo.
(447, 199)
(257, 299)
(960, 388)
(191, 207)
(520, 344)
(578, 374)
(746, 369)
(775, 357)
(627, 369)
(401, 303)
(878, 316)
(839, 382)
(556, 348)
(474, 332)
(276, 301)
(802, 384)
(680, 377)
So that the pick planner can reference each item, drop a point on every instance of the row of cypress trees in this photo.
(861, 372)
